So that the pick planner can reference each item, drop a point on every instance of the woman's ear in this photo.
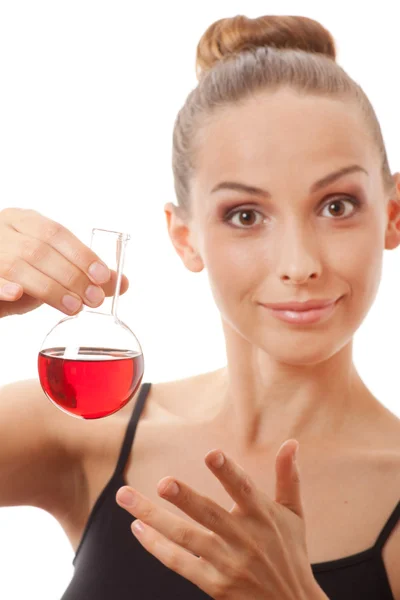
(392, 236)
(182, 237)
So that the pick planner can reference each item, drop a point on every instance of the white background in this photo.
(89, 94)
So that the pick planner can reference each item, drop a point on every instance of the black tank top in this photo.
(111, 563)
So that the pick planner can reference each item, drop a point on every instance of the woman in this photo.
(285, 196)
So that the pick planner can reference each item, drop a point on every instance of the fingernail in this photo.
(126, 497)
(99, 272)
(10, 289)
(71, 303)
(138, 526)
(172, 489)
(218, 460)
(94, 294)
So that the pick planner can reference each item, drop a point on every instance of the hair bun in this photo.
(228, 37)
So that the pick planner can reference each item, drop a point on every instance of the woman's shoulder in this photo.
(385, 432)
(170, 404)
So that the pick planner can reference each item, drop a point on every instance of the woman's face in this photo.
(290, 242)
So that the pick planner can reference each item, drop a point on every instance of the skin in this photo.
(281, 379)
(256, 551)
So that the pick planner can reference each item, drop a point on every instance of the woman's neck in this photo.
(260, 404)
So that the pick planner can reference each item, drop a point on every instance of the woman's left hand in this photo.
(256, 551)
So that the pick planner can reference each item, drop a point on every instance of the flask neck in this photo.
(110, 247)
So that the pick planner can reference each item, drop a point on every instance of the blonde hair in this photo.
(237, 57)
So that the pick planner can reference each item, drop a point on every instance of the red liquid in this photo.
(95, 385)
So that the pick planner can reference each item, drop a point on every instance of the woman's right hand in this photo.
(49, 264)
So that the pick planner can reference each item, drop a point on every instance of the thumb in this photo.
(287, 490)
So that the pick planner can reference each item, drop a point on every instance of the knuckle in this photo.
(72, 278)
(33, 250)
(173, 560)
(245, 486)
(50, 230)
(147, 513)
(238, 575)
(8, 267)
(47, 289)
(221, 588)
(184, 536)
(232, 571)
(212, 516)
(76, 256)
(255, 553)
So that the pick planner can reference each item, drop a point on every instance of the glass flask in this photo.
(91, 364)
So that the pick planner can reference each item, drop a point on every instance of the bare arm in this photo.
(38, 464)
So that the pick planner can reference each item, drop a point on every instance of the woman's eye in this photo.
(246, 216)
(336, 202)
(248, 219)
(335, 208)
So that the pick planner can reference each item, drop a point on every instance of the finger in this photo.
(12, 291)
(9, 290)
(109, 287)
(192, 568)
(31, 223)
(200, 508)
(48, 261)
(237, 483)
(287, 488)
(40, 286)
(191, 537)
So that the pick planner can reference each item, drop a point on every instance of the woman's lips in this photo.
(304, 316)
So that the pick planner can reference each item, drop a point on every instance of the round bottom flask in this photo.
(91, 364)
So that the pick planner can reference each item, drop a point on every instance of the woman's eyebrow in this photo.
(241, 187)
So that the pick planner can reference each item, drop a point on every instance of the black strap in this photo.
(388, 527)
(131, 429)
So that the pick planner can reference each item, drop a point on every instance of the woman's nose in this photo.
(299, 257)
